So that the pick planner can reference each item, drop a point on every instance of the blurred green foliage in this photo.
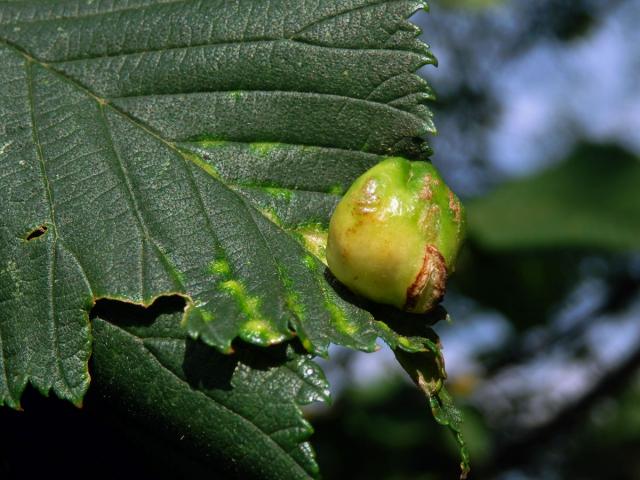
(529, 237)
(590, 201)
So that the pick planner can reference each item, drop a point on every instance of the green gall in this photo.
(395, 235)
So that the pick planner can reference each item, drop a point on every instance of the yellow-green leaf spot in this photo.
(294, 304)
(336, 190)
(263, 148)
(292, 298)
(314, 239)
(213, 143)
(279, 193)
(306, 343)
(257, 329)
(206, 315)
(271, 214)
(404, 341)
(261, 332)
(310, 262)
(340, 320)
(207, 167)
(395, 235)
(220, 267)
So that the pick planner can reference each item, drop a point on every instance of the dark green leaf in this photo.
(239, 412)
(427, 371)
(116, 123)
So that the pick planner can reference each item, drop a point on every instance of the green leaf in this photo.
(591, 201)
(237, 412)
(117, 121)
(426, 369)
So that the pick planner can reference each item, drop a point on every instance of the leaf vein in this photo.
(242, 43)
(224, 406)
(339, 14)
(4, 361)
(159, 3)
(53, 247)
(294, 93)
(132, 198)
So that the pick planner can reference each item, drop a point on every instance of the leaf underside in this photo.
(246, 405)
(153, 148)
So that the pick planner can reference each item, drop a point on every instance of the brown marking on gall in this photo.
(426, 193)
(428, 184)
(353, 229)
(454, 206)
(368, 200)
(433, 274)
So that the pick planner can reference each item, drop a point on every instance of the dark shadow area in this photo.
(104, 439)
(206, 368)
(52, 436)
(382, 432)
(124, 314)
(137, 351)
(118, 433)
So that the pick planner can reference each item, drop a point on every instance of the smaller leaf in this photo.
(426, 369)
(240, 412)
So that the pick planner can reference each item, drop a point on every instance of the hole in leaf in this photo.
(37, 232)
(124, 313)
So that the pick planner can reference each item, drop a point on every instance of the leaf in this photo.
(116, 123)
(591, 201)
(238, 412)
(426, 369)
